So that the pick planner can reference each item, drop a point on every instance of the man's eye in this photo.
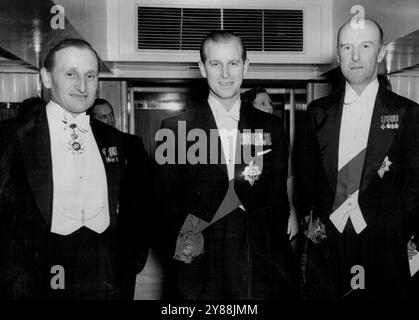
(215, 64)
(70, 74)
(91, 77)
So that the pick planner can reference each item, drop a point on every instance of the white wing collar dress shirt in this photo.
(354, 130)
(80, 190)
(227, 122)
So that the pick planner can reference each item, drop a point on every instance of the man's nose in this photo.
(111, 120)
(355, 54)
(225, 72)
(81, 84)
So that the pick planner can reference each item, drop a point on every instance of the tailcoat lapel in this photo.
(379, 140)
(36, 153)
(204, 119)
(245, 123)
(328, 136)
(113, 169)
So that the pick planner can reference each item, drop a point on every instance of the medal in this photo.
(74, 144)
(390, 121)
(189, 246)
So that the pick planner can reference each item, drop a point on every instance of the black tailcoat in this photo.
(247, 254)
(26, 195)
(387, 203)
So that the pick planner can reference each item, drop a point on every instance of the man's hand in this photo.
(411, 248)
(292, 229)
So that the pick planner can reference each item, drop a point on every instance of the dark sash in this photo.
(349, 179)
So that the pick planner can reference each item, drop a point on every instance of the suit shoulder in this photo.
(397, 100)
(263, 117)
(132, 139)
(324, 103)
(184, 116)
(106, 131)
(21, 123)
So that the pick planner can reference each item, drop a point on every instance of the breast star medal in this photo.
(74, 144)
(251, 173)
(385, 166)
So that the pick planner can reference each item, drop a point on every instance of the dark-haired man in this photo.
(359, 172)
(227, 215)
(69, 215)
(102, 110)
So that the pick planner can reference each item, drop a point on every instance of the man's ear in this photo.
(382, 53)
(46, 78)
(337, 54)
(202, 69)
(246, 67)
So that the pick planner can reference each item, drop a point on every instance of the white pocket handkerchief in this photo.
(263, 152)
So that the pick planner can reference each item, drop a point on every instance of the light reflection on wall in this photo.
(162, 105)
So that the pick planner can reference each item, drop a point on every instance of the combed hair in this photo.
(98, 101)
(251, 94)
(220, 36)
(48, 62)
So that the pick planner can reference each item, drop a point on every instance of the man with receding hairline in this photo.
(358, 177)
(69, 207)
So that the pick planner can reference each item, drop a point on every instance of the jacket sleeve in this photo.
(410, 185)
(306, 159)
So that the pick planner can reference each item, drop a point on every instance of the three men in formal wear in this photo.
(226, 214)
(70, 198)
(359, 177)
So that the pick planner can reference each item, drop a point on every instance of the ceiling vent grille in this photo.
(185, 28)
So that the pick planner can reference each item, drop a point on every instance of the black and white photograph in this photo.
(215, 157)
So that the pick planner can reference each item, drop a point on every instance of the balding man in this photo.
(359, 175)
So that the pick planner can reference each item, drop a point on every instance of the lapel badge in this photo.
(251, 173)
(385, 166)
(390, 121)
(110, 154)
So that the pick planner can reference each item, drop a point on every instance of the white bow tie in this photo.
(82, 122)
(351, 100)
(235, 115)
